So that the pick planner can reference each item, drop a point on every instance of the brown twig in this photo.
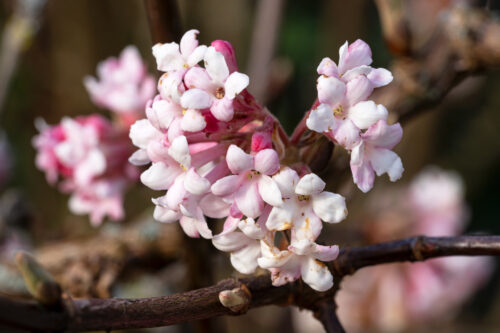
(164, 20)
(325, 313)
(110, 314)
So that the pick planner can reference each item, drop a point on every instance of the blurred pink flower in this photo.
(123, 85)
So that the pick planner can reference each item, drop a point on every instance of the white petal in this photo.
(189, 42)
(235, 84)
(272, 257)
(358, 89)
(168, 57)
(251, 229)
(139, 157)
(179, 151)
(248, 200)
(330, 207)
(310, 184)
(267, 162)
(216, 66)
(196, 99)
(327, 67)
(316, 275)
(197, 55)
(193, 121)
(245, 260)
(286, 179)
(196, 184)
(142, 132)
(364, 114)
(380, 77)
(214, 207)
(237, 160)
(321, 119)
(165, 215)
(269, 191)
(157, 177)
(330, 90)
(386, 161)
(282, 218)
(230, 242)
(353, 73)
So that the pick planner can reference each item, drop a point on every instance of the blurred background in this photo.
(279, 44)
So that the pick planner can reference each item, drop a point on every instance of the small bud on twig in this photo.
(237, 300)
(39, 282)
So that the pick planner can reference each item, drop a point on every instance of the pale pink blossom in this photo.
(374, 155)
(305, 204)
(250, 186)
(123, 85)
(288, 265)
(89, 156)
(214, 87)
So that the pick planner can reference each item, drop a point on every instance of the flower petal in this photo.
(193, 121)
(158, 176)
(269, 191)
(380, 77)
(356, 54)
(214, 207)
(356, 71)
(321, 119)
(282, 217)
(196, 56)
(189, 42)
(179, 151)
(139, 157)
(165, 215)
(168, 57)
(197, 77)
(386, 161)
(310, 184)
(251, 229)
(142, 132)
(286, 179)
(230, 242)
(267, 162)
(245, 259)
(216, 66)
(365, 114)
(222, 109)
(248, 200)
(330, 90)
(237, 160)
(358, 89)
(196, 99)
(330, 207)
(347, 134)
(382, 135)
(226, 185)
(363, 176)
(235, 84)
(328, 67)
(316, 275)
(196, 184)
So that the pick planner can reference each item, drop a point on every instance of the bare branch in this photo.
(164, 20)
(111, 314)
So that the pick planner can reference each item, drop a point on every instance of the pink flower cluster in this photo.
(89, 153)
(124, 85)
(218, 153)
(395, 297)
(346, 116)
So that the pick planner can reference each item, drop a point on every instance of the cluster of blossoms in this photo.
(89, 154)
(218, 154)
(346, 116)
(395, 297)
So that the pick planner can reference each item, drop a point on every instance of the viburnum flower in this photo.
(304, 206)
(89, 155)
(123, 85)
(373, 155)
(214, 87)
(288, 265)
(250, 186)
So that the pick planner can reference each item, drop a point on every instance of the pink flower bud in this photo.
(260, 141)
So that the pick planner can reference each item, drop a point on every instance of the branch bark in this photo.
(164, 20)
(111, 314)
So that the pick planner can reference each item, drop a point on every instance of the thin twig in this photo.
(111, 314)
(326, 314)
(164, 20)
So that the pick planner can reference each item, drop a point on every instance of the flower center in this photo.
(252, 173)
(184, 110)
(338, 111)
(302, 197)
(220, 93)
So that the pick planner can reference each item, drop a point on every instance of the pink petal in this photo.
(321, 119)
(158, 176)
(189, 227)
(197, 77)
(330, 90)
(176, 194)
(214, 207)
(380, 77)
(226, 185)
(363, 176)
(179, 151)
(139, 157)
(165, 215)
(248, 200)
(328, 67)
(382, 135)
(326, 253)
(357, 54)
(358, 90)
(267, 162)
(196, 184)
(230, 242)
(356, 71)
(386, 161)
(222, 109)
(347, 134)
(238, 161)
